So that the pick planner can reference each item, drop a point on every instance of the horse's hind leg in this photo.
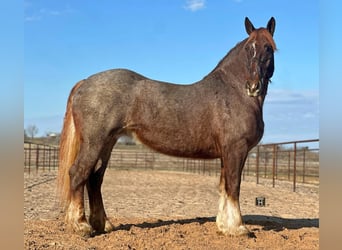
(98, 218)
(79, 174)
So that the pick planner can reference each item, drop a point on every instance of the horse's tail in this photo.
(68, 150)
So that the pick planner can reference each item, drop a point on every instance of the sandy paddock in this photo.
(169, 210)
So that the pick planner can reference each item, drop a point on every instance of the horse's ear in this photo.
(249, 26)
(271, 25)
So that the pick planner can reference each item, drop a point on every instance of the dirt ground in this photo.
(167, 210)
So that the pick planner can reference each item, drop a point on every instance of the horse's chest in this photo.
(241, 123)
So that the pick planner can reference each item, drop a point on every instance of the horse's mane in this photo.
(253, 36)
(231, 52)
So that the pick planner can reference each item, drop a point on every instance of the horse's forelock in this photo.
(261, 33)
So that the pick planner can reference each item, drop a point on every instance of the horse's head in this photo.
(259, 48)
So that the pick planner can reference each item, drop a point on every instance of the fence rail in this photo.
(40, 157)
(295, 161)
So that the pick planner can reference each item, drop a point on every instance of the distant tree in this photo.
(31, 131)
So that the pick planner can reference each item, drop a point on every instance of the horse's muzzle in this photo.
(254, 88)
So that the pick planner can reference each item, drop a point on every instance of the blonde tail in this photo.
(68, 150)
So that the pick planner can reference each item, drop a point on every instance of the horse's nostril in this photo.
(253, 88)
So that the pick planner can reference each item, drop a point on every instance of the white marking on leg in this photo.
(234, 214)
(72, 213)
(75, 218)
(229, 219)
(221, 219)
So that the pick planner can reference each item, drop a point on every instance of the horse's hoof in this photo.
(109, 227)
(101, 226)
(85, 231)
(242, 230)
(238, 231)
(81, 228)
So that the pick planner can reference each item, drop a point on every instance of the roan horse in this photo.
(219, 116)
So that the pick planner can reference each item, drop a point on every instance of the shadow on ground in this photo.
(279, 224)
(266, 222)
(160, 223)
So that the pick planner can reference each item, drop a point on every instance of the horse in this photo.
(220, 116)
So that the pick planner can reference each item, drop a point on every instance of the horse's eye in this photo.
(268, 48)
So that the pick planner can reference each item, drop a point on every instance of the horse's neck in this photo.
(230, 75)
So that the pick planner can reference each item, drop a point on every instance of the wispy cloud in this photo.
(42, 13)
(291, 115)
(194, 5)
(280, 96)
(32, 18)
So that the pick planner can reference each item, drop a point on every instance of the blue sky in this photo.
(178, 41)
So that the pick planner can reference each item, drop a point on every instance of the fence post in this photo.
(248, 163)
(294, 166)
(44, 150)
(183, 163)
(257, 164)
(276, 162)
(50, 153)
(288, 166)
(273, 164)
(218, 170)
(37, 158)
(304, 165)
(265, 159)
(204, 167)
(57, 158)
(29, 158)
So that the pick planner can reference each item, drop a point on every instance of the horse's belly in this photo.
(177, 145)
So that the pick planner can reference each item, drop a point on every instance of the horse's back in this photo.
(103, 99)
(114, 78)
(104, 87)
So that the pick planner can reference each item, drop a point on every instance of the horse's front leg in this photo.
(229, 220)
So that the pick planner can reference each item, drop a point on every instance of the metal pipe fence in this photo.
(295, 161)
(40, 157)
